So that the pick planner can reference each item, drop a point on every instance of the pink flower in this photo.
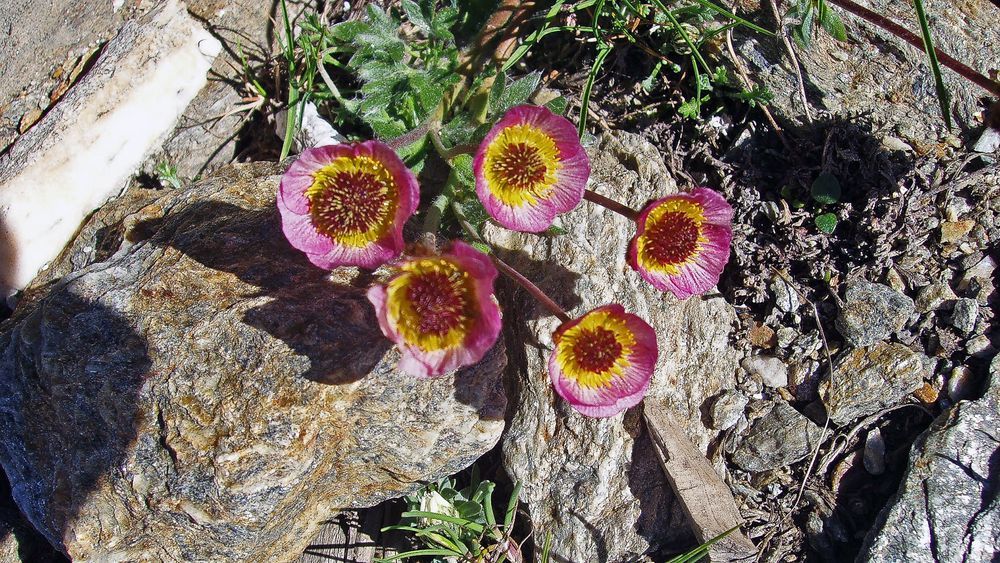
(529, 168)
(682, 243)
(440, 310)
(603, 361)
(345, 205)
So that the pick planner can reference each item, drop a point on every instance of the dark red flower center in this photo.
(596, 350)
(520, 165)
(439, 302)
(672, 238)
(352, 202)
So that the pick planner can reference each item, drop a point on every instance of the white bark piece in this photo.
(87, 147)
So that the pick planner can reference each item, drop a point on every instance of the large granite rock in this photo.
(881, 77)
(596, 484)
(199, 391)
(947, 508)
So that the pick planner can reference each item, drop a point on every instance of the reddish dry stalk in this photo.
(947, 60)
(611, 204)
(531, 288)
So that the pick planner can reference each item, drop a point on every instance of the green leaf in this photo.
(514, 93)
(444, 20)
(690, 109)
(481, 247)
(826, 222)
(826, 189)
(473, 526)
(469, 510)
(346, 32)
(417, 16)
(461, 167)
(806, 29)
(557, 105)
(833, 25)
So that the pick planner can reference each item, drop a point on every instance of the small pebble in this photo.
(786, 335)
(874, 458)
(772, 371)
(954, 231)
(982, 269)
(965, 314)
(933, 297)
(872, 312)
(957, 206)
(727, 409)
(926, 393)
(960, 384)
(895, 280)
(980, 346)
(786, 299)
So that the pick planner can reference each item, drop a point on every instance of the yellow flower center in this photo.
(672, 237)
(520, 165)
(596, 350)
(353, 200)
(433, 303)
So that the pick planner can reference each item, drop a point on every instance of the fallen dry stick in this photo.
(706, 500)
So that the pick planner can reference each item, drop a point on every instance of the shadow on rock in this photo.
(332, 324)
(556, 281)
(661, 520)
(70, 374)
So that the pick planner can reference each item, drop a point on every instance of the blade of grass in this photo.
(473, 526)
(508, 517)
(700, 551)
(602, 53)
(420, 552)
(925, 32)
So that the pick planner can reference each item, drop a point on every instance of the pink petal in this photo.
(716, 209)
(301, 233)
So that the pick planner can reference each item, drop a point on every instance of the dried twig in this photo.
(795, 60)
(748, 84)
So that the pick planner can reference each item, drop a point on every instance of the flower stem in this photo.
(611, 204)
(509, 270)
(531, 288)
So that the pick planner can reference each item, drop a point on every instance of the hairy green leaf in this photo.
(827, 222)
(826, 189)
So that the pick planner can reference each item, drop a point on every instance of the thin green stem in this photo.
(611, 204)
(925, 32)
(602, 53)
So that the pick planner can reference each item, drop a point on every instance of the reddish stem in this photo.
(611, 204)
(531, 288)
(947, 60)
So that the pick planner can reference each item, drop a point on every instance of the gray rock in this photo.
(947, 508)
(772, 371)
(596, 484)
(872, 312)
(884, 78)
(869, 379)
(727, 409)
(965, 314)
(874, 456)
(779, 438)
(983, 269)
(153, 68)
(199, 391)
(786, 299)
(980, 346)
(934, 296)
